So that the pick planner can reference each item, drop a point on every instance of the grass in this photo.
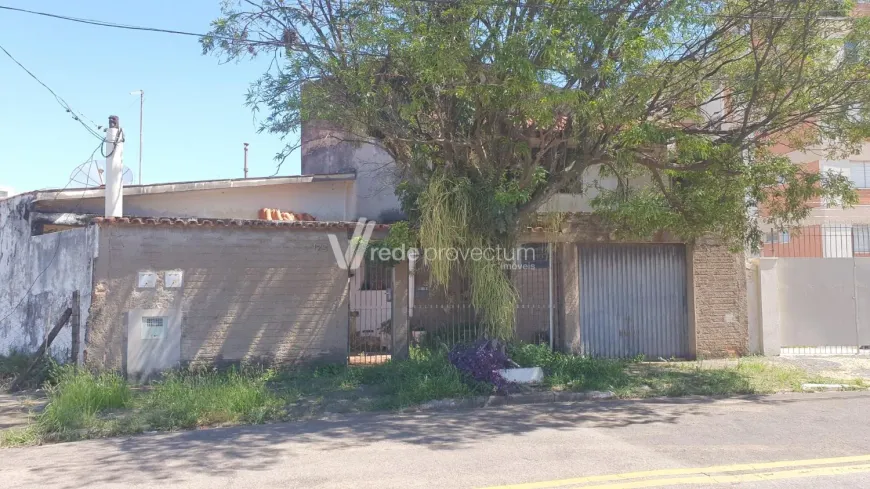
(426, 375)
(637, 379)
(79, 396)
(193, 398)
(83, 404)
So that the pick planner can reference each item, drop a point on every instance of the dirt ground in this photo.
(16, 409)
(837, 367)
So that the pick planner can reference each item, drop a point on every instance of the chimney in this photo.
(114, 168)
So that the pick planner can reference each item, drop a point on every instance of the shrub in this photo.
(482, 361)
(530, 355)
(572, 371)
(426, 375)
(16, 362)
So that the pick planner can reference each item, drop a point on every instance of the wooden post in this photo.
(400, 323)
(76, 326)
(64, 318)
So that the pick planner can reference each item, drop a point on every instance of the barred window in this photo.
(861, 239)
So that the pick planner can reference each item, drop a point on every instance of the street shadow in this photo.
(223, 451)
(168, 457)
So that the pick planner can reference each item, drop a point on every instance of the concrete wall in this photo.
(326, 150)
(38, 276)
(814, 304)
(326, 201)
(248, 294)
(753, 309)
(593, 183)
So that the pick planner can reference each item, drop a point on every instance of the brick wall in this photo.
(251, 294)
(719, 291)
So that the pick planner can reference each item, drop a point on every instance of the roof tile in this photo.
(178, 221)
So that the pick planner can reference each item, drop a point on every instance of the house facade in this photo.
(192, 272)
(586, 292)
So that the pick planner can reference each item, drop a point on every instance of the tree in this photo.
(491, 107)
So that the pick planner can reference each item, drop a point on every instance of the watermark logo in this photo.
(520, 258)
(356, 247)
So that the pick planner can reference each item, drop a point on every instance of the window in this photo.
(860, 174)
(850, 52)
(860, 239)
(377, 274)
(153, 327)
(774, 237)
(534, 255)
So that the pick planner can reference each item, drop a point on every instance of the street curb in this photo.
(512, 400)
(823, 387)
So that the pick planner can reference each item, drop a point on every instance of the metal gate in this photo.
(633, 301)
(441, 316)
(370, 325)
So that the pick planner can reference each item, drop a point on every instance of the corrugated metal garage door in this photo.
(633, 301)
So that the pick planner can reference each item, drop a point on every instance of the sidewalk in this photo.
(467, 449)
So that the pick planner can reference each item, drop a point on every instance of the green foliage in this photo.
(457, 216)
(447, 335)
(85, 405)
(572, 372)
(401, 236)
(17, 362)
(398, 242)
(489, 108)
(631, 378)
(427, 375)
(186, 399)
(79, 396)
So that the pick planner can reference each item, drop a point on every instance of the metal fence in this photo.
(826, 240)
(440, 316)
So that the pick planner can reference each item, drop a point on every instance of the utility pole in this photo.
(114, 194)
(141, 94)
(246, 160)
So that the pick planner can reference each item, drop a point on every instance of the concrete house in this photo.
(190, 272)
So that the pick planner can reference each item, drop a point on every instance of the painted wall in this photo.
(813, 304)
(593, 183)
(248, 294)
(326, 201)
(326, 150)
(38, 276)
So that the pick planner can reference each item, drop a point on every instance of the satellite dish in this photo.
(93, 174)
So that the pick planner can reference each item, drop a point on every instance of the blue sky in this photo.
(195, 118)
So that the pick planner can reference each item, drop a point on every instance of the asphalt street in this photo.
(794, 440)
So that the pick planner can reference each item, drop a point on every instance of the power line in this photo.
(116, 25)
(63, 103)
(287, 46)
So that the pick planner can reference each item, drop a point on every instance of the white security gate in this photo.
(633, 301)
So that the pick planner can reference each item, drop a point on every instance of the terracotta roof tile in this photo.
(179, 221)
